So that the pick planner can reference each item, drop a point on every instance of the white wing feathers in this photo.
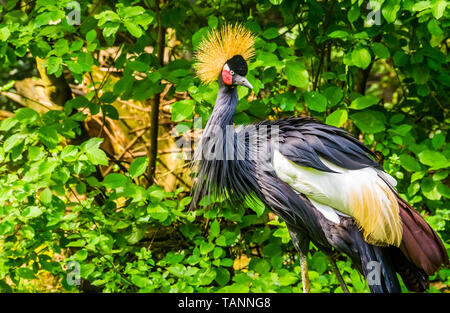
(363, 194)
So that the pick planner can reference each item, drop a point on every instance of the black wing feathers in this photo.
(304, 140)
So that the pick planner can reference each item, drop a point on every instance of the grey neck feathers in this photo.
(217, 174)
(226, 102)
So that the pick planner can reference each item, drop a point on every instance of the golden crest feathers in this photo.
(219, 46)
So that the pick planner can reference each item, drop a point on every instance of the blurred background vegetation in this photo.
(98, 101)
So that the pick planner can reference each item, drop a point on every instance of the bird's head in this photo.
(223, 56)
(234, 71)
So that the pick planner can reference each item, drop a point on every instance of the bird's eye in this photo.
(232, 72)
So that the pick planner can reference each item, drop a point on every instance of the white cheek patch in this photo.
(226, 67)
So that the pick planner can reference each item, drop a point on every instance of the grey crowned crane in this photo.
(319, 179)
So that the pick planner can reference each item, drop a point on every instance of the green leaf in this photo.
(438, 141)
(32, 212)
(402, 130)
(353, 13)
(76, 243)
(334, 95)
(26, 273)
(110, 111)
(296, 74)
(133, 29)
(443, 189)
(91, 35)
(46, 196)
(316, 101)
(429, 190)
(115, 180)
(35, 153)
(146, 89)
(276, 2)
(135, 234)
(185, 201)
(287, 278)
(54, 64)
(182, 110)
(97, 156)
(76, 103)
(138, 167)
(380, 50)
(48, 136)
(270, 33)
(81, 188)
(12, 141)
(28, 232)
(4, 33)
(438, 8)
(440, 175)
(337, 118)
(390, 9)
(140, 281)
(269, 75)
(364, 102)
(139, 66)
(69, 153)
(158, 212)
(421, 5)
(61, 47)
(214, 229)
(81, 255)
(26, 115)
(93, 153)
(222, 275)
(213, 21)
(434, 159)
(206, 247)
(206, 276)
(361, 57)
(369, 122)
(338, 34)
(6, 228)
(123, 84)
(434, 28)
(409, 163)
(262, 266)
(287, 101)
(130, 11)
(8, 123)
(74, 67)
(198, 37)
(400, 58)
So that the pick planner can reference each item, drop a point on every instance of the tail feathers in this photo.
(414, 278)
(420, 244)
(377, 266)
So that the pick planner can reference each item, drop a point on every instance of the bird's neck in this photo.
(226, 102)
(220, 171)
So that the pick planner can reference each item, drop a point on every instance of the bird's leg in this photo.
(301, 244)
(305, 274)
(338, 274)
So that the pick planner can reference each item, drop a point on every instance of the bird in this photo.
(320, 180)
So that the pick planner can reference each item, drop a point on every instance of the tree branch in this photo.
(154, 114)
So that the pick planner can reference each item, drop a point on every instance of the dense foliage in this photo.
(66, 206)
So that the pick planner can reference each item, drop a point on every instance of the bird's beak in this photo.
(241, 80)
